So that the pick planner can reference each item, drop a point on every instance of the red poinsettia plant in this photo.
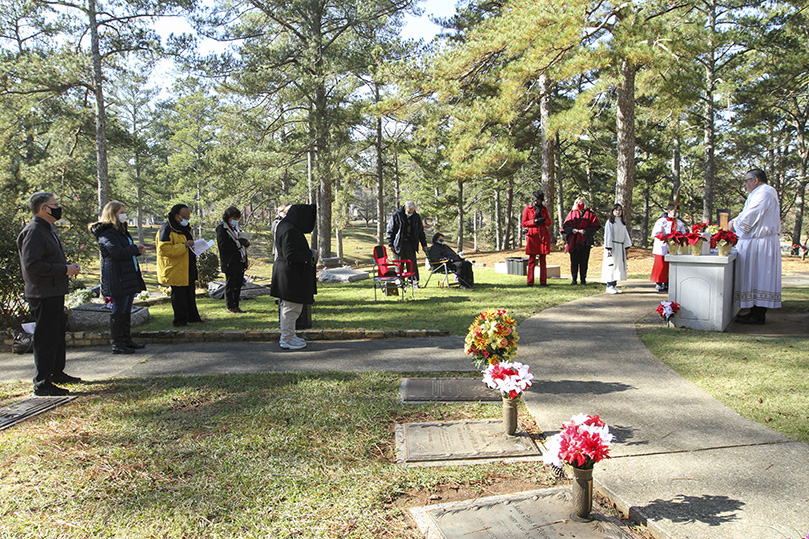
(693, 237)
(675, 236)
(582, 442)
(723, 237)
(667, 309)
(699, 227)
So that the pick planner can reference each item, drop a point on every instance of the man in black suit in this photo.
(45, 272)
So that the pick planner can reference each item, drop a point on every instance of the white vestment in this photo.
(758, 270)
(664, 226)
(616, 237)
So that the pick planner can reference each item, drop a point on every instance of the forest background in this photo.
(315, 101)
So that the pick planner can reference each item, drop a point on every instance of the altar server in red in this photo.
(536, 220)
(667, 224)
(580, 226)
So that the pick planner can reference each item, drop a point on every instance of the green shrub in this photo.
(207, 268)
(12, 304)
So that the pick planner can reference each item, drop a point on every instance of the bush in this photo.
(12, 304)
(207, 268)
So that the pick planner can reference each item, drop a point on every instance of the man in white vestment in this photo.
(758, 226)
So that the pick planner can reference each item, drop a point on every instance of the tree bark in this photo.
(625, 177)
(101, 114)
(709, 135)
(380, 185)
(461, 216)
(547, 141)
(675, 166)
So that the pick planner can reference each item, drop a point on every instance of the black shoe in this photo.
(135, 345)
(583, 282)
(121, 349)
(573, 283)
(756, 320)
(543, 284)
(63, 378)
(236, 311)
(740, 317)
(49, 390)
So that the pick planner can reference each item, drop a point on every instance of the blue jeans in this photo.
(122, 304)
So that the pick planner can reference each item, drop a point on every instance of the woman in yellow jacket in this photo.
(177, 264)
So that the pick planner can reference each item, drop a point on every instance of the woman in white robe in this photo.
(616, 243)
(758, 269)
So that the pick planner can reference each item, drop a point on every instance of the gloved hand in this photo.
(540, 221)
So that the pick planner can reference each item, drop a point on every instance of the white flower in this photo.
(553, 448)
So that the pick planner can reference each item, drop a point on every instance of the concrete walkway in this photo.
(684, 464)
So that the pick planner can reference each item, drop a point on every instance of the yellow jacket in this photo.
(172, 256)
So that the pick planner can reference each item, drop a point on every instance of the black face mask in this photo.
(56, 213)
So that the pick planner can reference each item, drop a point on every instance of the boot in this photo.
(127, 333)
(116, 331)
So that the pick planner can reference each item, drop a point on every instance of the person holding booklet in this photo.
(232, 256)
(177, 264)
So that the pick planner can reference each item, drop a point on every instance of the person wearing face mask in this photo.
(121, 278)
(536, 220)
(667, 224)
(405, 233)
(616, 243)
(45, 272)
(177, 264)
(232, 257)
(580, 227)
(440, 251)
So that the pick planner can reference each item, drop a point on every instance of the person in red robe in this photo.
(536, 220)
(580, 227)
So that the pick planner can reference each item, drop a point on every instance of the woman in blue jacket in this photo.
(121, 278)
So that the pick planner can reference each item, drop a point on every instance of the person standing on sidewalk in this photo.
(616, 243)
(580, 227)
(121, 278)
(232, 257)
(758, 227)
(667, 224)
(536, 220)
(405, 232)
(45, 272)
(293, 273)
(177, 264)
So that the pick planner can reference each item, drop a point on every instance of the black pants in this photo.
(579, 259)
(49, 337)
(407, 252)
(234, 279)
(463, 269)
(184, 303)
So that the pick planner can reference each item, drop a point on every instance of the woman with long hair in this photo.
(121, 278)
(580, 226)
(616, 243)
(232, 256)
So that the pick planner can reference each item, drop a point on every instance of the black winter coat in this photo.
(44, 267)
(230, 254)
(293, 273)
(119, 274)
(402, 228)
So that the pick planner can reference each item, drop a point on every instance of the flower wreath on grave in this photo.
(492, 338)
(510, 378)
(582, 442)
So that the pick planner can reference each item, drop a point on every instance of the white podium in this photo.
(704, 287)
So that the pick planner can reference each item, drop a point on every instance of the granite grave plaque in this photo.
(14, 413)
(460, 440)
(416, 390)
(537, 514)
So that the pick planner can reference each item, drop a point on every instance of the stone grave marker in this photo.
(452, 441)
(536, 514)
(14, 413)
(419, 390)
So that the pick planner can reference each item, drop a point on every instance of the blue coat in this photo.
(119, 274)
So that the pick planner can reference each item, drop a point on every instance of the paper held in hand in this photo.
(246, 235)
(201, 245)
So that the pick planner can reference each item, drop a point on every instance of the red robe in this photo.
(587, 221)
(537, 237)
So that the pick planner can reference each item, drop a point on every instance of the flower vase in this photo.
(510, 415)
(723, 249)
(674, 248)
(582, 493)
(696, 248)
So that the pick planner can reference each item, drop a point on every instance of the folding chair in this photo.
(442, 268)
(392, 273)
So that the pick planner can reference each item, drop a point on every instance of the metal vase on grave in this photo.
(510, 415)
(582, 493)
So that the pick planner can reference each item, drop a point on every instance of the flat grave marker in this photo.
(14, 413)
(419, 390)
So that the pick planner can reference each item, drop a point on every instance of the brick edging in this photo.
(74, 339)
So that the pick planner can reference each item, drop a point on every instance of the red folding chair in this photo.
(392, 274)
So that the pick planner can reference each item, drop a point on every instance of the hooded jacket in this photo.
(120, 272)
(176, 263)
(293, 273)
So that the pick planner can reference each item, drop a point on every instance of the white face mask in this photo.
(122, 218)
(440, 242)
(409, 213)
(234, 223)
(184, 222)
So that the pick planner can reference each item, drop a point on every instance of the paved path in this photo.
(685, 465)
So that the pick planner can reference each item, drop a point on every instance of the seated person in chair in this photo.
(439, 252)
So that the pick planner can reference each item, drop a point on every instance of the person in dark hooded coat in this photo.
(293, 273)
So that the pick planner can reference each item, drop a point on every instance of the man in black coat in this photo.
(405, 233)
(293, 273)
(440, 251)
(45, 272)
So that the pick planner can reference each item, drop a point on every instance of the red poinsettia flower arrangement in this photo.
(693, 237)
(676, 236)
(667, 309)
(699, 227)
(725, 236)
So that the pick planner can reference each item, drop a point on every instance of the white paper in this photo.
(201, 245)
(28, 327)
(246, 235)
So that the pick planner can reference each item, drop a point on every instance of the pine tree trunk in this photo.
(547, 141)
(101, 114)
(625, 177)
(461, 216)
(709, 135)
(380, 185)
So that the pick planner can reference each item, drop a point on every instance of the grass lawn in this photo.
(763, 379)
(352, 306)
(259, 455)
